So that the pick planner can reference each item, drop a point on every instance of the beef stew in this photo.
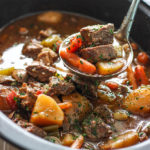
(44, 97)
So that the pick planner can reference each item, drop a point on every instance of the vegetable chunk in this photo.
(125, 140)
(131, 77)
(138, 102)
(140, 75)
(76, 61)
(68, 140)
(7, 71)
(50, 41)
(106, 68)
(46, 112)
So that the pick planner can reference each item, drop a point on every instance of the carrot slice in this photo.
(78, 142)
(65, 105)
(141, 75)
(76, 61)
(131, 77)
(112, 85)
(143, 58)
(75, 44)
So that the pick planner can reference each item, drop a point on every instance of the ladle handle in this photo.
(124, 31)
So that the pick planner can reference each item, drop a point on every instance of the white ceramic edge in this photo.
(18, 136)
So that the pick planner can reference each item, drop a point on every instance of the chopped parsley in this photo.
(92, 45)
(93, 131)
(111, 31)
(79, 104)
(128, 83)
(141, 107)
(27, 108)
(68, 78)
(96, 83)
(141, 133)
(52, 140)
(81, 62)
(84, 134)
(101, 56)
(22, 93)
(54, 47)
(35, 112)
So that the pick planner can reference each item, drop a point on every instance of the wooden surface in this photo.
(5, 146)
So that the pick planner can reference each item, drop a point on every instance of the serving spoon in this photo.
(122, 34)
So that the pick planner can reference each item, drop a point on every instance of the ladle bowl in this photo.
(121, 35)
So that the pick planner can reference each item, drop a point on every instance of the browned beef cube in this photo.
(47, 56)
(20, 75)
(32, 49)
(98, 34)
(27, 97)
(60, 87)
(46, 33)
(98, 53)
(40, 72)
(95, 128)
(6, 79)
(4, 92)
(105, 113)
(86, 87)
(30, 127)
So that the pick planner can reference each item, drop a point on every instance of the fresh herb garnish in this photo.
(141, 107)
(54, 47)
(92, 45)
(101, 56)
(81, 62)
(111, 31)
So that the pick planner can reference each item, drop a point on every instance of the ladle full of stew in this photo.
(97, 51)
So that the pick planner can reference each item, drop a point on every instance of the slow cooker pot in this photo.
(106, 10)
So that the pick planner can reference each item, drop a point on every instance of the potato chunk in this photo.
(50, 17)
(68, 140)
(106, 68)
(125, 140)
(46, 112)
(138, 102)
(51, 40)
(121, 115)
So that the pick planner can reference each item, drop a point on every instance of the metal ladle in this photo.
(122, 34)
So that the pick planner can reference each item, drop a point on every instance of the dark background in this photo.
(106, 10)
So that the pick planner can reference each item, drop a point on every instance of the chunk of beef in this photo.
(46, 33)
(95, 128)
(32, 49)
(30, 127)
(20, 75)
(27, 97)
(98, 34)
(88, 88)
(47, 56)
(40, 72)
(81, 106)
(6, 79)
(105, 113)
(98, 53)
(60, 87)
(105, 94)
(4, 92)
